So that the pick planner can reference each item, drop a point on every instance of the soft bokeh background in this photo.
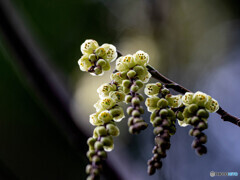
(196, 43)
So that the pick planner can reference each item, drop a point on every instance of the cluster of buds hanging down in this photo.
(130, 75)
(163, 118)
(196, 112)
(108, 112)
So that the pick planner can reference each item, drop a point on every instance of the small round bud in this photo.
(162, 103)
(97, 71)
(201, 150)
(88, 168)
(102, 154)
(130, 110)
(153, 115)
(139, 70)
(165, 91)
(96, 159)
(141, 110)
(134, 88)
(137, 120)
(140, 97)
(126, 90)
(157, 121)
(135, 101)
(101, 131)
(100, 52)
(128, 98)
(113, 130)
(195, 120)
(108, 148)
(107, 141)
(192, 108)
(101, 62)
(106, 67)
(166, 123)
(139, 83)
(136, 113)
(163, 112)
(203, 139)
(172, 130)
(90, 154)
(98, 145)
(202, 113)
(158, 165)
(186, 113)
(91, 177)
(196, 132)
(171, 114)
(91, 141)
(158, 130)
(202, 126)
(126, 83)
(92, 58)
(131, 74)
(151, 170)
(130, 121)
(180, 115)
(191, 132)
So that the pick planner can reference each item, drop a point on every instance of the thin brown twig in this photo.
(172, 85)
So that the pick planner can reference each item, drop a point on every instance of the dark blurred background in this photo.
(196, 43)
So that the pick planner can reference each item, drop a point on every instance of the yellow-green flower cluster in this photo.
(155, 103)
(195, 101)
(96, 59)
(106, 107)
(131, 67)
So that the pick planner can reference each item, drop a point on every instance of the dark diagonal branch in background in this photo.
(39, 75)
(171, 84)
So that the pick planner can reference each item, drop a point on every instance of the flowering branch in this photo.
(225, 116)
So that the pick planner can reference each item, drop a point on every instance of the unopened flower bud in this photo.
(113, 130)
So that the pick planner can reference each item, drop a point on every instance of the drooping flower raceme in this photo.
(107, 113)
(131, 73)
(96, 59)
(196, 112)
(163, 120)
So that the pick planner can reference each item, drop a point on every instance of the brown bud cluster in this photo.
(163, 121)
